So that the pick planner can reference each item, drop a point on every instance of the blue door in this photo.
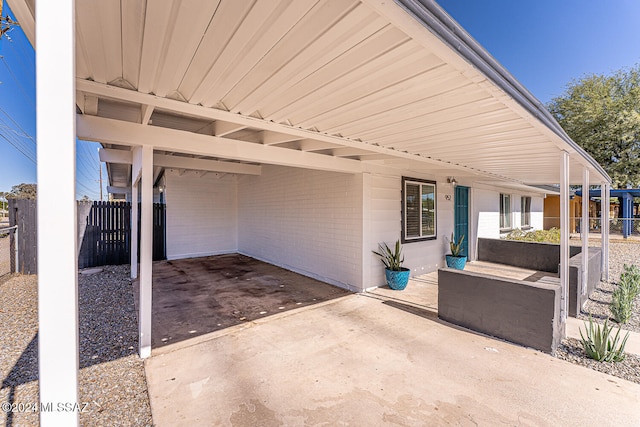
(461, 217)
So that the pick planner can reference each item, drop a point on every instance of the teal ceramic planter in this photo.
(397, 280)
(457, 262)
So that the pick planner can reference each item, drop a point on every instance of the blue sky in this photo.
(18, 127)
(544, 43)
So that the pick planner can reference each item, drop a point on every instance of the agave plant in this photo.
(392, 259)
(600, 344)
(456, 248)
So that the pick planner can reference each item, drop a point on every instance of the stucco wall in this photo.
(532, 255)
(383, 223)
(486, 209)
(525, 313)
(201, 214)
(576, 298)
(303, 220)
(487, 213)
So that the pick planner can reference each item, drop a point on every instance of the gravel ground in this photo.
(620, 253)
(629, 369)
(111, 380)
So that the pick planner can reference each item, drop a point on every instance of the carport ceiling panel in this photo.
(496, 118)
(264, 25)
(364, 97)
(440, 101)
(488, 138)
(99, 40)
(181, 122)
(332, 66)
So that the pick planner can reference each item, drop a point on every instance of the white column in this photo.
(146, 251)
(604, 228)
(134, 229)
(57, 261)
(564, 235)
(585, 229)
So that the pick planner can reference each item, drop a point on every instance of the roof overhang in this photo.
(334, 85)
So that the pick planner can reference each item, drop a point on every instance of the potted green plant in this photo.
(397, 276)
(456, 259)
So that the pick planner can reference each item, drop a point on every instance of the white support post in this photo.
(134, 230)
(16, 239)
(146, 250)
(584, 229)
(564, 235)
(604, 228)
(57, 261)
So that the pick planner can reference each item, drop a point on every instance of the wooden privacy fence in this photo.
(107, 237)
(23, 214)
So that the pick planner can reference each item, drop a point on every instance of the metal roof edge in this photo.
(436, 20)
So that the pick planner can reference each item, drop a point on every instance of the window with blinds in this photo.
(418, 210)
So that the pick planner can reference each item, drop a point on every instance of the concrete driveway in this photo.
(363, 360)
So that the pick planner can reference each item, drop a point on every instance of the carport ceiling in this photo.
(359, 80)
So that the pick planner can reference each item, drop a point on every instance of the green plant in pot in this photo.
(455, 259)
(397, 276)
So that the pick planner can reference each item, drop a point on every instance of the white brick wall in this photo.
(303, 220)
(321, 224)
(486, 205)
(487, 210)
(385, 225)
(537, 212)
(201, 214)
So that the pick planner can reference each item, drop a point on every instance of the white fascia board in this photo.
(125, 133)
(271, 138)
(118, 190)
(511, 186)
(108, 155)
(113, 92)
(224, 128)
(179, 162)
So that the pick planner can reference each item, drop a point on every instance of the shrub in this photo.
(625, 293)
(542, 236)
(621, 304)
(630, 279)
(601, 345)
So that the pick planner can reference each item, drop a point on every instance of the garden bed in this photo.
(629, 369)
(620, 253)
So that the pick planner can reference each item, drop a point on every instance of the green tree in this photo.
(602, 114)
(22, 191)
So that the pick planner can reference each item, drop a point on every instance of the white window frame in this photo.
(420, 183)
(525, 212)
(504, 197)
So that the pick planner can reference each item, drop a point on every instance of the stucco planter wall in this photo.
(525, 313)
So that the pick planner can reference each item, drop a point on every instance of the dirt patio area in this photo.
(197, 296)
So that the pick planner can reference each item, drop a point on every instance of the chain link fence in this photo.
(8, 250)
(618, 227)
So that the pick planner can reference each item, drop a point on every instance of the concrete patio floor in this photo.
(197, 296)
(380, 358)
